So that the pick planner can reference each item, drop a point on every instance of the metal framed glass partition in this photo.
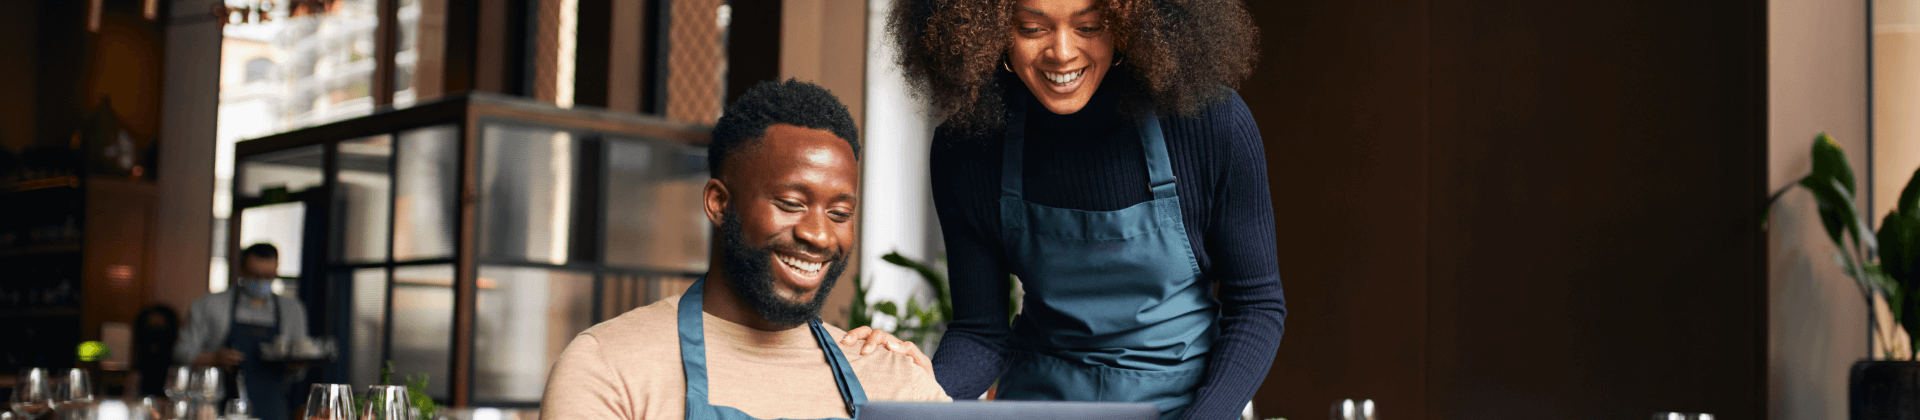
(469, 239)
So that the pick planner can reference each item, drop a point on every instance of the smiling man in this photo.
(746, 339)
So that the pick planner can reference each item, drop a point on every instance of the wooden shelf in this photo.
(68, 181)
(39, 312)
(46, 249)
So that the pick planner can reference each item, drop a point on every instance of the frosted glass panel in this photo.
(423, 325)
(653, 209)
(527, 186)
(526, 317)
(364, 199)
(426, 205)
(368, 325)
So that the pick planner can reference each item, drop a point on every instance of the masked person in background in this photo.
(746, 339)
(226, 329)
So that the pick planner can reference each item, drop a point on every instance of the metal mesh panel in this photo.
(697, 58)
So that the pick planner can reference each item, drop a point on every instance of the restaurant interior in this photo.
(1483, 208)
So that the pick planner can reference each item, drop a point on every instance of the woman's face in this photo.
(1061, 51)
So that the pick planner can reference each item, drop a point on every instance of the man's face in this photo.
(786, 226)
(260, 267)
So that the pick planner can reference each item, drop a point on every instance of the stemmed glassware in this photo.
(76, 391)
(179, 380)
(73, 394)
(387, 402)
(206, 387)
(149, 408)
(330, 402)
(32, 394)
(239, 408)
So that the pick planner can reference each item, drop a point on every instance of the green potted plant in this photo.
(1884, 264)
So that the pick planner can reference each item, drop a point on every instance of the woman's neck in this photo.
(1101, 111)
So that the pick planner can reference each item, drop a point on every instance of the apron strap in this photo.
(693, 357)
(233, 314)
(1012, 153)
(850, 391)
(693, 348)
(1159, 166)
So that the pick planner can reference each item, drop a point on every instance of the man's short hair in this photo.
(792, 102)
(261, 250)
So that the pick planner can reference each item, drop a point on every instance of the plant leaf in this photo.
(857, 314)
(933, 277)
(1910, 196)
(1900, 248)
(1830, 162)
(887, 307)
(1838, 213)
(912, 312)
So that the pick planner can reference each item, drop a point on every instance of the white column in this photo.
(183, 237)
(897, 205)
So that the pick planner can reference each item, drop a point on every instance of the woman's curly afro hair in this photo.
(1176, 55)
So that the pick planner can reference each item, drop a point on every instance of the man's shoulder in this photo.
(290, 302)
(644, 327)
(889, 376)
(624, 367)
(211, 299)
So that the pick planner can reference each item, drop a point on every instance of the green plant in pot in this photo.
(1884, 264)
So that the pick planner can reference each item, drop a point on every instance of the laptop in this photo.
(1038, 410)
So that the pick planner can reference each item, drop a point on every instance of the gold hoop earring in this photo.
(1117, 61)
(1003, 64)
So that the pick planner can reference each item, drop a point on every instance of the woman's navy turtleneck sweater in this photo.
(1092, 160)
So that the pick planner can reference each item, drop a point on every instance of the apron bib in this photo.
(693, 358)
(265, 381)
(1116, 308)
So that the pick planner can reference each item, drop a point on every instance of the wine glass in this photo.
(149, 408)
(206, 385)
(76, 391)
(239, 408)
(180, 409)
(179, 380)
(330, 402)
(387, 402)
(32, 395)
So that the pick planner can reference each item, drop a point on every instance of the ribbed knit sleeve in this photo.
(1240, 244)
(972, 353)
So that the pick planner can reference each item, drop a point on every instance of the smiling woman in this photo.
(1096, 150)
(1170, 57)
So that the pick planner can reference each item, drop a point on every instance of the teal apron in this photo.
(693, 358)
(265, 381)
(1116, 308)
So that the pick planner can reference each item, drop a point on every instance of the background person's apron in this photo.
(693, 358)
(1116, 308)
(265, 380)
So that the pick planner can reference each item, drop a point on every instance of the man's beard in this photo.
(750, 273)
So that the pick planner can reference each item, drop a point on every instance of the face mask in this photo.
(258, 288)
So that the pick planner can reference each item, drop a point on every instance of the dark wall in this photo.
(1516, 209)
